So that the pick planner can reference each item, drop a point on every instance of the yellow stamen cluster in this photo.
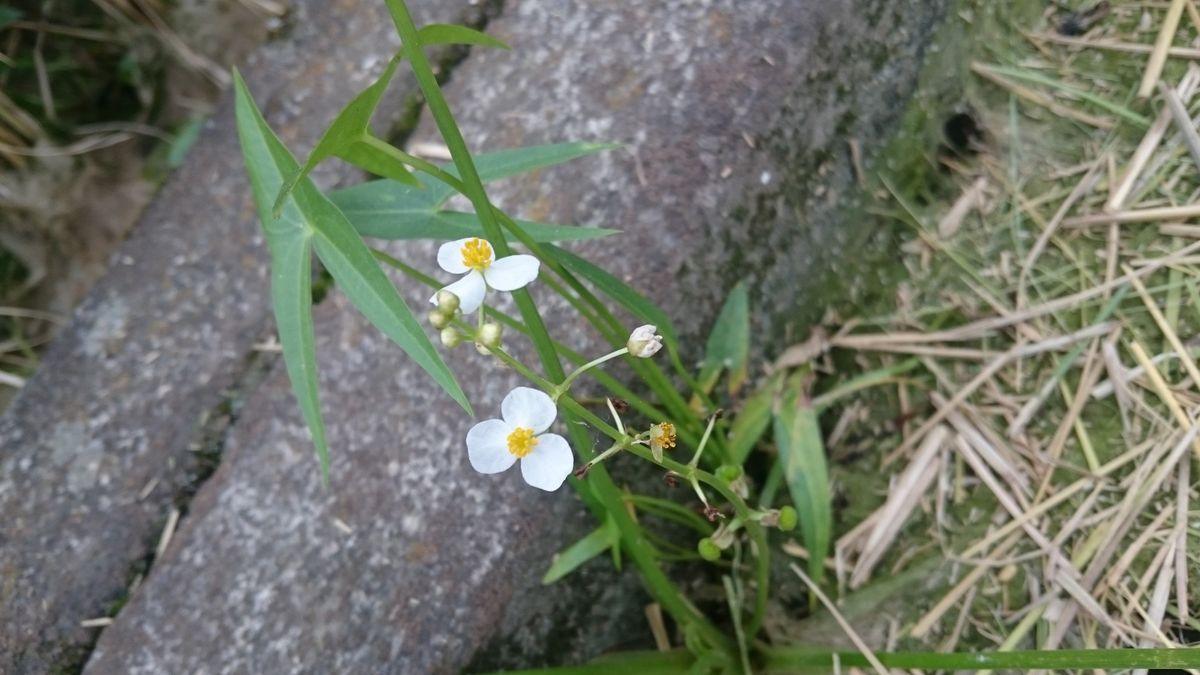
(476, 254)
(521, 441)
(662, 436)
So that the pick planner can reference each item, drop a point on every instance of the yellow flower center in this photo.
(476, 254)
(663, 435)
(521, 441)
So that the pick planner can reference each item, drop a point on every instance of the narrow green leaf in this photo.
(453, 34)
(729, 342)
(616, 289)
(1075, 92)
(802, 451)
(467, 225)
(598, 541)
(366, 286)
(347, 129)
(751, 422)
(290, 241)
(380, 200)
(378, 157)
(184, 139)
(510, 162)
(394, 217)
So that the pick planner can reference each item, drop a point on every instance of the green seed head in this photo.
(788, 518)
(708, 549)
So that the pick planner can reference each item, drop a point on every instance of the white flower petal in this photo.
(549, 464)
(487, 446)
(525, 407)
(470, 291)
(511, 273)
(449, 256)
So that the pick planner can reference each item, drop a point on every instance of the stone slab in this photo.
(412, 563)
(123, 395)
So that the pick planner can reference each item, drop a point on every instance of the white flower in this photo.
(494, 445)
(475, 259)
(643, 343)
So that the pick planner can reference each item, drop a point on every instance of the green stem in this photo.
(604, 498)
(607, 381)
(566, 383)
(755, 529)
(703, 441)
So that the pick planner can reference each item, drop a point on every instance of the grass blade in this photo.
(802, 451)
(598, 541)
(751, 422)
(616, 289)
(728, 344)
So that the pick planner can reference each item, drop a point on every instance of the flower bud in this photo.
(489, 335)
(447, 301)
(439, 319)
(788, 518)
(643, 343)
(451, 338)
(708, 549)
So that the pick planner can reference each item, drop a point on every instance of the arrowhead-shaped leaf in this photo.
(307, 214)
(290, 242)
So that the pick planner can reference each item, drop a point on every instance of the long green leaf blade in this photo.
(728, 344)
(379, 196)
(408, 223)
(291, 268)
(751, 422)
(596, 542)
(493, 166)
(618, 290)
(453, 34)
(348, 129)
(461, 224)
(802, 451)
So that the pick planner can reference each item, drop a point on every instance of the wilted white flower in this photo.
(494, 445)
(662, 437)
(474, 258)
(643, 343)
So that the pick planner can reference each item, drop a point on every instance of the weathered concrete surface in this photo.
(412, 563)
(124, 392)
